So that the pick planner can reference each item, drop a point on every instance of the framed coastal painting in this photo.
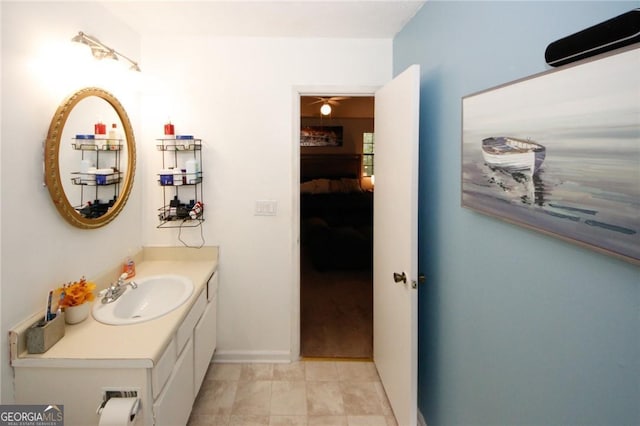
(327, 136)
(559, 152)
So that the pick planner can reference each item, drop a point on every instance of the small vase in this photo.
(76, 314)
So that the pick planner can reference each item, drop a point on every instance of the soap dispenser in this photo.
(129, 267)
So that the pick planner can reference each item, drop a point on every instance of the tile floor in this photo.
(309, 393)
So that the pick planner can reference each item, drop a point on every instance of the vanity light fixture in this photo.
(100, 50)
(325, 109)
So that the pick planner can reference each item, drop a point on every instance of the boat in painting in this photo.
(513, 154)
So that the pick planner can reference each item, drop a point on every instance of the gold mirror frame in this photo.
(51, 162)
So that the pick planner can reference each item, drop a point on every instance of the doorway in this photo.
(336, 226)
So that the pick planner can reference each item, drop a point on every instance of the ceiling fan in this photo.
(327, 102)
(333, 100)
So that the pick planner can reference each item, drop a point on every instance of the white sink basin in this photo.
(154, 297)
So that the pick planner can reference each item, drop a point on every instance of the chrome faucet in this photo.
(116, 289)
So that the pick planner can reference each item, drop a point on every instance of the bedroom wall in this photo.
(352, 129)
(515, 327)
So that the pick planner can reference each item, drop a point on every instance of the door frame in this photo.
(298, 92)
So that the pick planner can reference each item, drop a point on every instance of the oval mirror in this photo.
(89, 175)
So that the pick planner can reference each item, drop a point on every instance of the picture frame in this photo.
(559, 152)
(321, 136)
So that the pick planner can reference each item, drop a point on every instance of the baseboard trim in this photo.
(421, 420)
(329, 358)
(251, 357)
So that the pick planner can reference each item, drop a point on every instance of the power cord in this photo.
(201, 234)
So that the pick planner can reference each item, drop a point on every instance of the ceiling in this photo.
(266, 18)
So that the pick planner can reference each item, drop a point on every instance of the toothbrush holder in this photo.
(42, 335)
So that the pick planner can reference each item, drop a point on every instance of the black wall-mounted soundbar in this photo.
(617, 32)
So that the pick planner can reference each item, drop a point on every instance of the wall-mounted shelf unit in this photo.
(99, 184)
(181, 182)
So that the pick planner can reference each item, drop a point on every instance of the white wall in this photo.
(39, 69)
(237, 94)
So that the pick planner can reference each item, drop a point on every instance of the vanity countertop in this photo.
(93, 344)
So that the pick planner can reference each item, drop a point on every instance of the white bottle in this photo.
(113, 138)
(177, 177)
(193, 169)
(85, 165)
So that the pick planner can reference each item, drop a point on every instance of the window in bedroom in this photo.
(367, 154)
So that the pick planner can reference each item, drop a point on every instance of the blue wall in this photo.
(553, 335)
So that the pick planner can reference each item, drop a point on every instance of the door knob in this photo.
(400, 277)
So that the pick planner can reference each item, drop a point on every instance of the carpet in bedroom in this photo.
(336, 313)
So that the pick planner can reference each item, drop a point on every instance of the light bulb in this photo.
(325, 109)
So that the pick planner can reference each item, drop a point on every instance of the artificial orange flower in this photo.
(77, 293)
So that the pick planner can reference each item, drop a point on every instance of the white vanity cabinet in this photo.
(167, 384)
(189, 354)
(173, 406)
(205, 335)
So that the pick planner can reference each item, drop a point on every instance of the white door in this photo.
(395, 251)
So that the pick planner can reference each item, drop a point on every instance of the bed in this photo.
(336, 213)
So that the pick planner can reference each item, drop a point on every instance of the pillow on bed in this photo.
(327, 186)
(351, 185)
(308, 187)
(337, 186)
(323, 186)
(316, 186)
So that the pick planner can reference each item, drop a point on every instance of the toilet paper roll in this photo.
(119, 412)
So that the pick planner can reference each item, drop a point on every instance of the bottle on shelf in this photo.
(113, 139)
(100, 129)
(169, 131)
(193, 171)
(196, 210)
(177, 177)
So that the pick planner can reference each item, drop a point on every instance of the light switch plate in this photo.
(266, 208)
